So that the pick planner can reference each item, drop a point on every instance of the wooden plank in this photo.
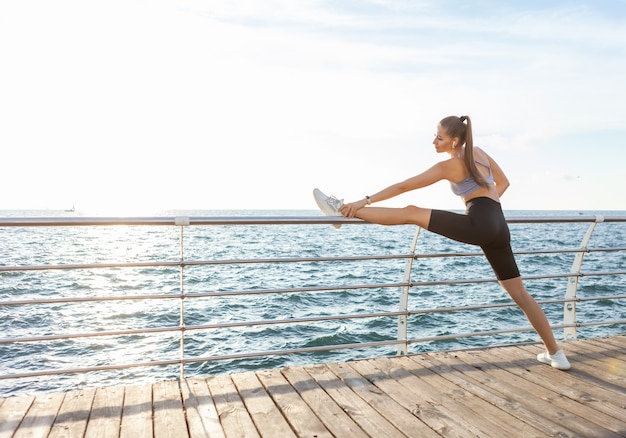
(557, 382)
(411, 400)
(615, 365)
(607, 359)
(202, 418)
(617, 341)
(569, 385)
(137, 412)
(169, 417)
(442, 413)
(332, 415)
(12, 412)
(41, 415)
(500, 391)
(586, 367)
(498, 421)
(395, 413)
(448, 366)
(232, 412)
(614, 346)
(106, 413)
(543, 401)
(600, 349)
(362, 413)
(299, 415)
(266, 416)
(74, 414)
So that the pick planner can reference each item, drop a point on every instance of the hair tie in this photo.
(463, 118)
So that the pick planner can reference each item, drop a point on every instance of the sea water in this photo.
(28, 246)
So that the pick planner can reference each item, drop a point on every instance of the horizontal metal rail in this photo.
(267, 322)
(226, 357)
(182, 296)
(178, 264)
(305, 350)
(185, 263)
(95, 299)
(254, 220)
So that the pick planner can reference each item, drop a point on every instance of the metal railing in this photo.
(406, 285)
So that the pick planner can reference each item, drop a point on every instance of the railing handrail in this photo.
(182, 264)
(54, 221)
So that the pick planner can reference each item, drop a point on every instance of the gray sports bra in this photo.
(469, 184)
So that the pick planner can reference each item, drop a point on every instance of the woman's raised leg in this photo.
(395, 216)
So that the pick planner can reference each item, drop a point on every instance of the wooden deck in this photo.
(497, 392)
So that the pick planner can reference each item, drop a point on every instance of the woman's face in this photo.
(443, 142)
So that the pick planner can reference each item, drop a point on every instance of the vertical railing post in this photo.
(182, 222)
(569, 310)
(403, 319)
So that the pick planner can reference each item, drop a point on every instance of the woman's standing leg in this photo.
(533, 312)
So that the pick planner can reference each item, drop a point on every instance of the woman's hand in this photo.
(349, 210)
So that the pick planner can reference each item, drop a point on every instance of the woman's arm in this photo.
(502, 182)
(439, 171)
(424, 179)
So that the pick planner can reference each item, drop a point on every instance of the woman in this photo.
(479, 181)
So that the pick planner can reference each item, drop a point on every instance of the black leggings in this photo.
(483, 224)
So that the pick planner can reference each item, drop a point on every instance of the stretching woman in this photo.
(479, 181)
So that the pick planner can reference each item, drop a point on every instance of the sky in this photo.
(137, 106)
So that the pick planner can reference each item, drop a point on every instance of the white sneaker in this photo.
(557, 360)
(328, 204)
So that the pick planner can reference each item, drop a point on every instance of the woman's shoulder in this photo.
(479, 151)
(454, 168)
(480, 154)
(454, 160)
